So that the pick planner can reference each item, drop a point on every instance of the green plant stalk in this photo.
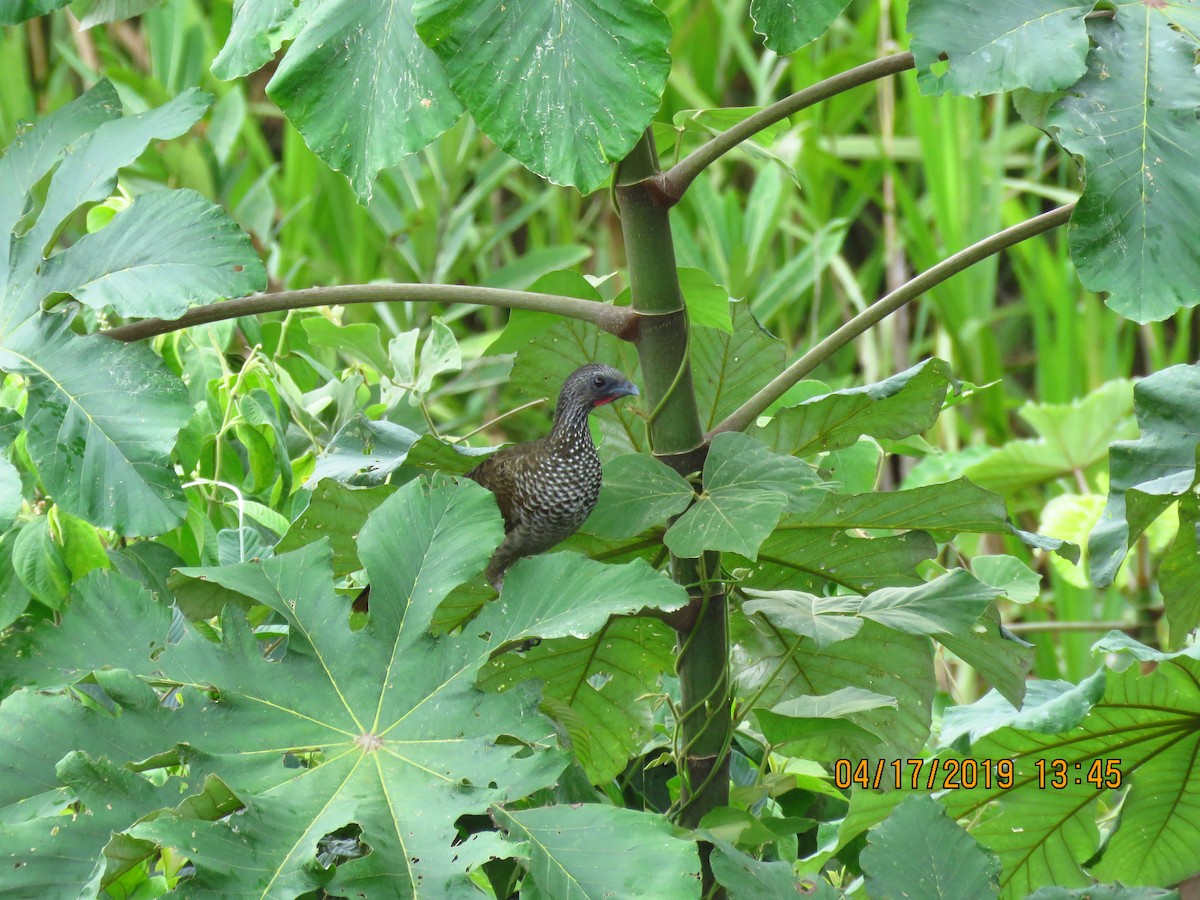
(613, 319)
(677, 438)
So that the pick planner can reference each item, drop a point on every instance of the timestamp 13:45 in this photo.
(968, 774)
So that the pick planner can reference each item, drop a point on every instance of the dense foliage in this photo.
(254, 262)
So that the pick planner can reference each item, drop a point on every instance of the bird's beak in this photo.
(627, 389)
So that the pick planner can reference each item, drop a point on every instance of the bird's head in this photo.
(595, 385)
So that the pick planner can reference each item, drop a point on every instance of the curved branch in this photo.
(745, 414)
(672, 184)
(618, 320)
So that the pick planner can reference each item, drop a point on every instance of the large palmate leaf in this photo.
(381, 730)
(1035, 44)
(592, 850)
(1132, 118)
(898, 407)
(102, 417)
(1142, 735)
(581, 79)
(746, 488)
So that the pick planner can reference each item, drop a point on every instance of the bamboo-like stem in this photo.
(616, 320)
(744, 415)
(673, 183)
(677, 437)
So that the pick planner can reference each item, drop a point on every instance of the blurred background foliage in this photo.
(808, 225)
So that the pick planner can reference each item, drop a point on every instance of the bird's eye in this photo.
(599, 381)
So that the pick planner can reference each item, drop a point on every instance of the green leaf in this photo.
(1132, 119)
(57, 855)
(603, 688)
(949, 604)
(1179, 573)
(14, 596)
(35, 151)
(746, 488)
(1048, 707)
(62, 654)
(259, 28)
(707, 302)
(590, 850)
(439, 354)
(898, 407)
(1031, 44)
(796, 555)
(99, 462)
(11, 496)
(818, 727)
(357, 83)
(582, 80)
(17, 11)
(101, 12)
(747, 878)
(1072, 439)
(876, 659)
(524, 325)
(96, 460)
(826, 620)
(358, 341)
(729, 368)
(920, 851)
(787, 26)
(363, 452)
(1103, 892)
(1017, 581)
(575, 596)
(166, 252)
(1004, 660)
(1149, 474)
(638, 492)
(38, 562)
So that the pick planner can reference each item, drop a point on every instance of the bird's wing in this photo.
(498, 473)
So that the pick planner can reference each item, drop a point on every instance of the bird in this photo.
(547, 488)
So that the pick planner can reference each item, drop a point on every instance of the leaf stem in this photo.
(744, 415)
(672, 183)
(616, 320)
